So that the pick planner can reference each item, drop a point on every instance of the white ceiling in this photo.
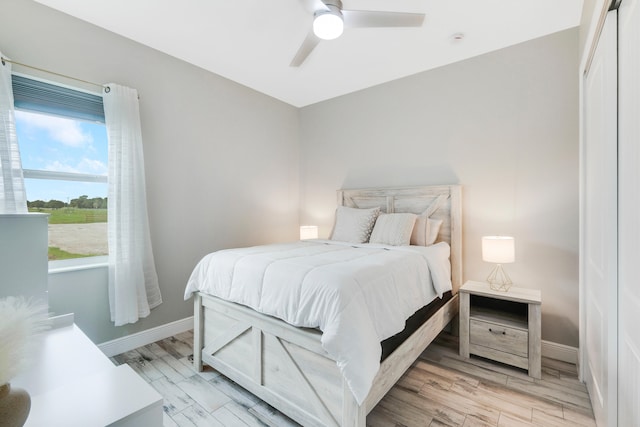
(252, 42)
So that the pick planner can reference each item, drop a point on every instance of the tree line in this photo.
(82, 202)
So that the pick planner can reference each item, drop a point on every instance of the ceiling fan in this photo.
(329, 20)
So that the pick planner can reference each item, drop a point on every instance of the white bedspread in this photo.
(357, 295)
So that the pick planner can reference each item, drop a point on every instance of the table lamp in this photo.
(499, 250)
(308, 232)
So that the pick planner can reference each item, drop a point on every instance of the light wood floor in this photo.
(441, 389)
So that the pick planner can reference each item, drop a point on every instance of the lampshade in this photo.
(328, 24)
(308, 232)
(498, 249)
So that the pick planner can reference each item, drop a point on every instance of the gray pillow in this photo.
(354, 225)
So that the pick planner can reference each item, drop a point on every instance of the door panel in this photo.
(629, 213)
(599, 243)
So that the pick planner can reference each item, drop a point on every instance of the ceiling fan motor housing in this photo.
(328, 24)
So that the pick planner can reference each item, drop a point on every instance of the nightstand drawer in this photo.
(499, 337)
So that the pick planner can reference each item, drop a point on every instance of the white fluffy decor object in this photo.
(21, 320)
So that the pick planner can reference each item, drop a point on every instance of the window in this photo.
(63, 146)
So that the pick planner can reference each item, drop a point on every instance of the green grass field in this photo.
(58, 254)
(73, 215)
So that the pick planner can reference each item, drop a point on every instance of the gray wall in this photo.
(221, 159)
(504, 125)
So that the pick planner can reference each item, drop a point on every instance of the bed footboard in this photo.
(283, 365)
(286, 366)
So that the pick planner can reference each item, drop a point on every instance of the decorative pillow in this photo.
(354, 225)
(425, 231)
(393, 229)
(433, 228)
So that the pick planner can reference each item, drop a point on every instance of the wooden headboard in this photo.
(416, 200)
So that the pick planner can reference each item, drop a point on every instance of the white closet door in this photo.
(599, 233)
(629, 214)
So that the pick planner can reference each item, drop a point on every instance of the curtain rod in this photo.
(105, 87)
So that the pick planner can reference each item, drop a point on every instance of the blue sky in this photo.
(63, 145)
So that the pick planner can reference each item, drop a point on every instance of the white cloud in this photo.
(93, 166)
(65, 131)
(60, 167)
(89, 166)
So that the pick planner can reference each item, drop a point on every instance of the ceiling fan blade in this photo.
(364, 18)
(309, 43)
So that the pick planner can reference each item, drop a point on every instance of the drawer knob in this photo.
(497, 332)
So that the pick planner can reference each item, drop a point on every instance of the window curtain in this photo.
(133, 282)
(13, 198)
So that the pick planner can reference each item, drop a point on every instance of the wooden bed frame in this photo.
(286, 366)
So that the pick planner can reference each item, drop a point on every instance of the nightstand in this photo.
(502, 326)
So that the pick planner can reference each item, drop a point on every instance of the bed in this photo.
(288, 366)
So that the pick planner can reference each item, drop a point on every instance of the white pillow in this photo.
(393, 229)
(354, 225)
(425, 231)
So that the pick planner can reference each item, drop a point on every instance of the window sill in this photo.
(78, 264)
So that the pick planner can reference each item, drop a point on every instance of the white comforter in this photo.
(357, 295)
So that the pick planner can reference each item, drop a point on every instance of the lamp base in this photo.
(15, 405)
(498, 279)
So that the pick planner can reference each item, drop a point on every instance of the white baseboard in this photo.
(562, 352)
(139, 339)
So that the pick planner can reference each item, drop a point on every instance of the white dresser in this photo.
(72, 383)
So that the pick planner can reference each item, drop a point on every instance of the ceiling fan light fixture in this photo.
(328, 24)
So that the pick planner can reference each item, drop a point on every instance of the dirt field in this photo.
(86, 239)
